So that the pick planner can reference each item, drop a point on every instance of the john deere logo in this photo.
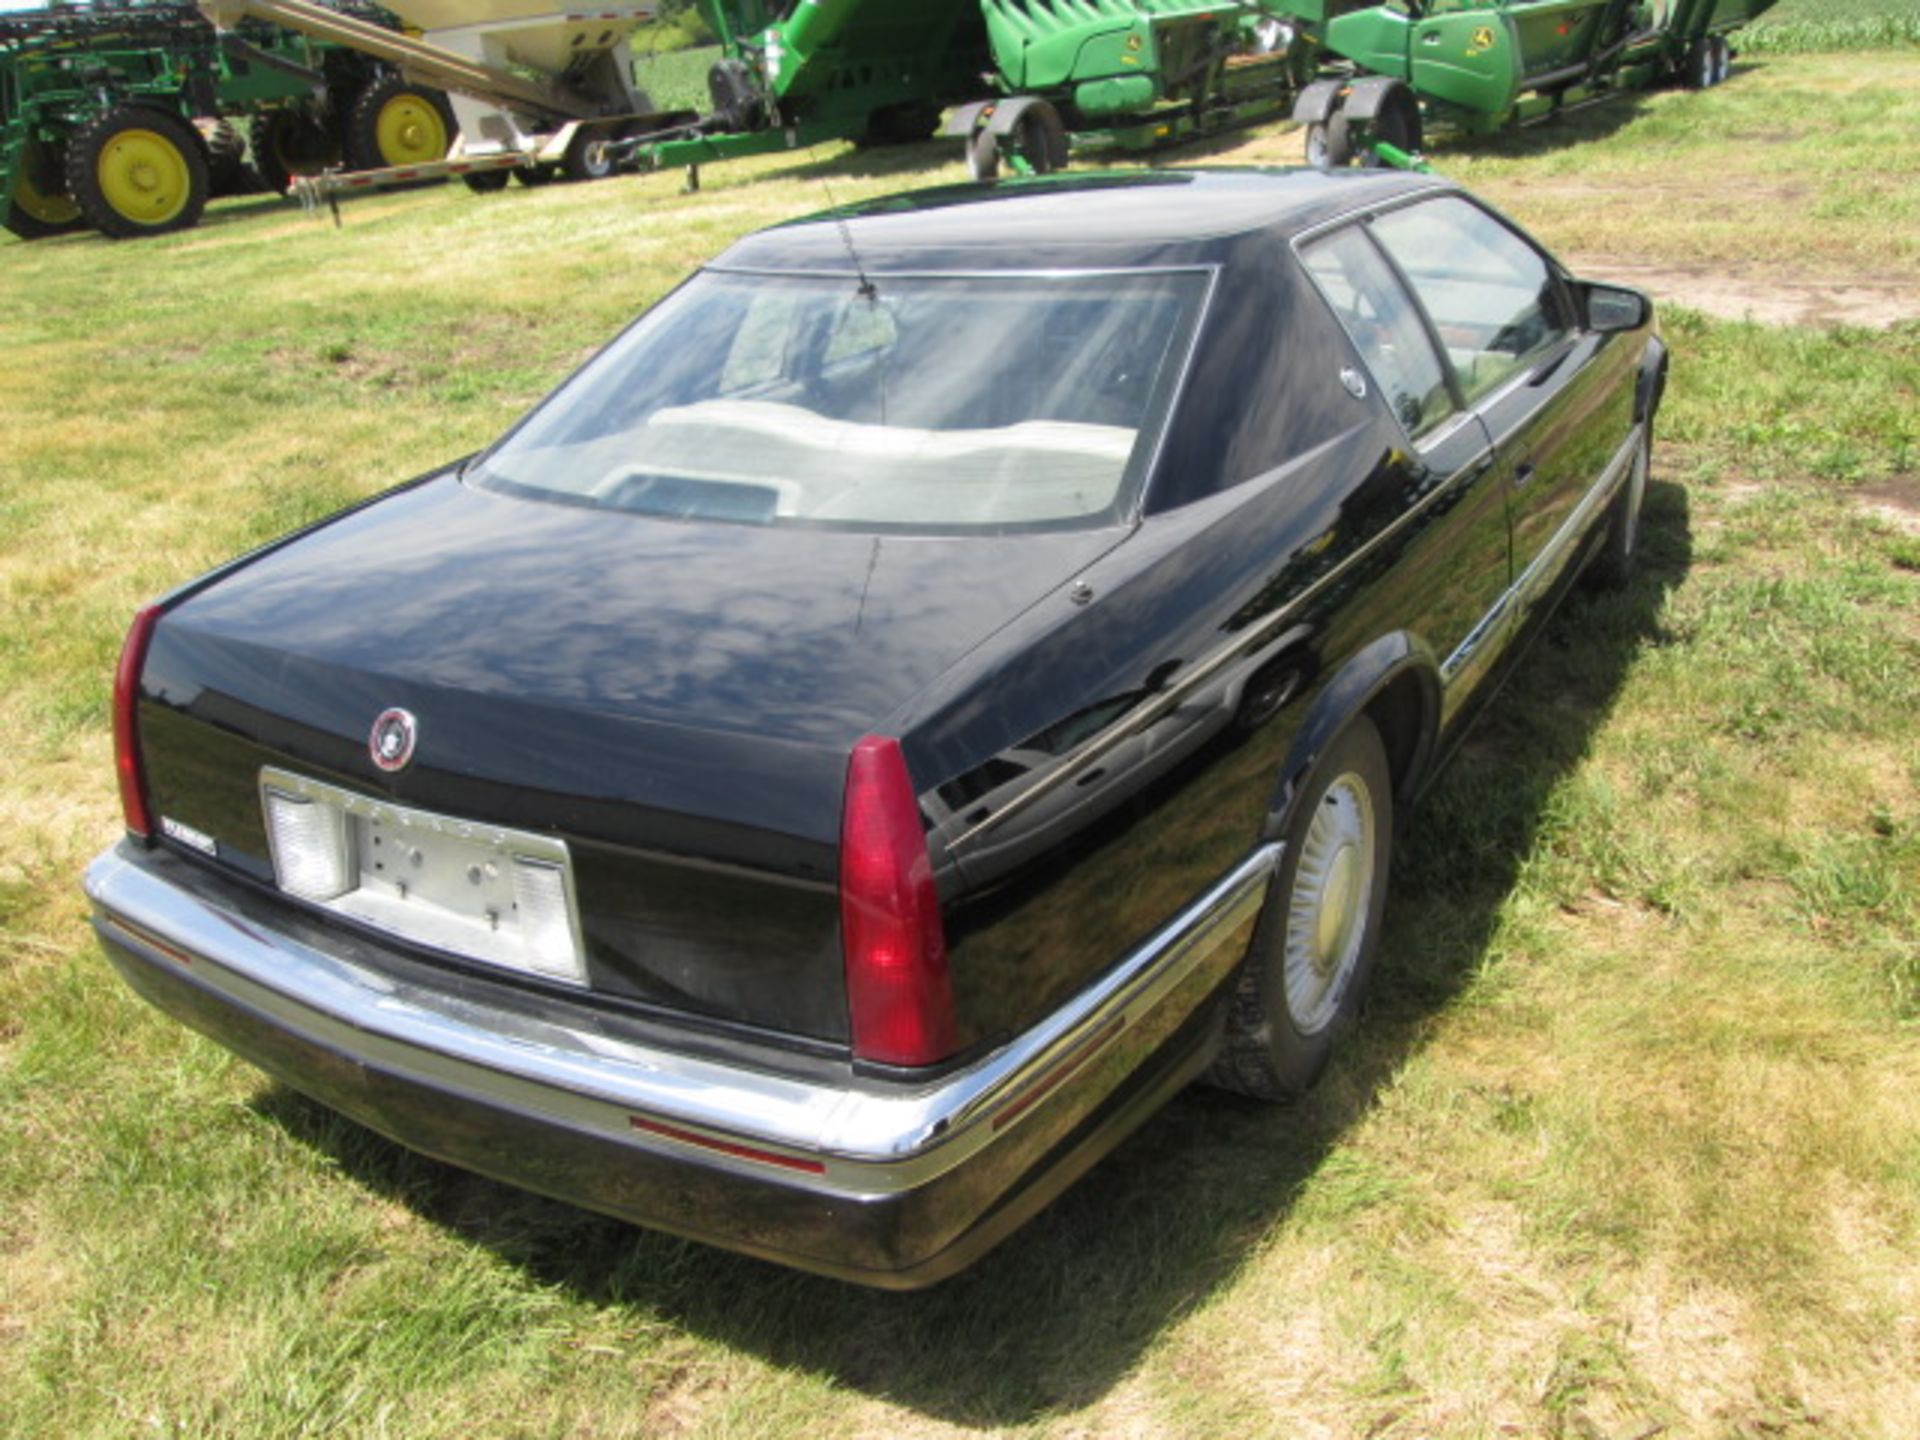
(1482, 40)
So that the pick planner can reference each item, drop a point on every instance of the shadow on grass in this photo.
(1062, 1311)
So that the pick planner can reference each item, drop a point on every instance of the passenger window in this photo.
(1490, 294)
(1385, 326)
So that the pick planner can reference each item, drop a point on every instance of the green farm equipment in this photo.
(1481, 65)
(121, 117)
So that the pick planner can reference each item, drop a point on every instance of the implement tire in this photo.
(39, 204)
(286, 143)
(136, 170)
(394, 122)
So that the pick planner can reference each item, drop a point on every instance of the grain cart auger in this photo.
(1480, 65)
(536, 92)
(121, 116)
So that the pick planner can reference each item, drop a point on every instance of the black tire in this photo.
(227, 172)
(395, 122)
(1397, 123)
(1613, 564)
(1038, 139)
(1330, 145)
(136, 170)
(587, 157)
(534, 176)
(1293, 999)
(486, 182)
(40, 205)
(1722, 59)
(1702, 69)
(907, 124)
(286, 143)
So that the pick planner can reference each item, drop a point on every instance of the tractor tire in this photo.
(136, 170)
(227, 172)
(39, 205)
(286, 143)
(395, 122)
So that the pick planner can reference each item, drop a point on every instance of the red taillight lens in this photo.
(898, 993)
(126, 734)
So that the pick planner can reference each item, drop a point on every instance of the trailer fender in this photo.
(1028, 125)
(992, 117)
(1318, 102)
(1385, 104)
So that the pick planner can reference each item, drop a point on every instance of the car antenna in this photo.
(868, 290)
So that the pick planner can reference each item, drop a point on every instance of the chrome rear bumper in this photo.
(887, 1184)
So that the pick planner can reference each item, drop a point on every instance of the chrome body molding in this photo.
(1210, 665)
(872, 1138)
(1546, 566)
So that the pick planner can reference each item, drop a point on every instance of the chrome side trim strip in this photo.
(874, 1140)
(1245, 643)
(1547, 562)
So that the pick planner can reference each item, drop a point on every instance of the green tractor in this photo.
(121, 117)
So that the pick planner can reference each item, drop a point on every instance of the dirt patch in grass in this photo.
(1896, 501)
(1752, 293)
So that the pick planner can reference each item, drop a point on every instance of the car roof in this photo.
(1087, 219)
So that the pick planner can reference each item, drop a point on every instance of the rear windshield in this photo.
(922, 403)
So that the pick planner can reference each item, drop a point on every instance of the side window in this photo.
(1385, 326)
(1491, 295)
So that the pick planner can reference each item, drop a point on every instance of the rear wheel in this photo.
(534, 176)
(398, 123)
(486, 182)
(39, 205)
(226, 157)
(1703, 64)
(286, 143)
(135, 170)
(1303, 979)
(588, 155)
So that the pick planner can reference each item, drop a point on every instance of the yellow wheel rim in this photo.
(49, 209)
(410, 131)
(144, 177)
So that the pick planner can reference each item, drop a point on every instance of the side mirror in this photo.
(1610, 309)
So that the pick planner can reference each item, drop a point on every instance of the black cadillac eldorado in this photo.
(942, 680)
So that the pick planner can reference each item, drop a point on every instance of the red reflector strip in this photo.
(726, 1147)
(1061, 1071)
(151, 941)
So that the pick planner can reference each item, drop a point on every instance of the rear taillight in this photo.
(126, 733)
(898, 993)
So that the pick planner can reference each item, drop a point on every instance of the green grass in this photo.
(1799, 26)
(1629, 1143)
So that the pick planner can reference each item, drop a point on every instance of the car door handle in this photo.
(1523, 474)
